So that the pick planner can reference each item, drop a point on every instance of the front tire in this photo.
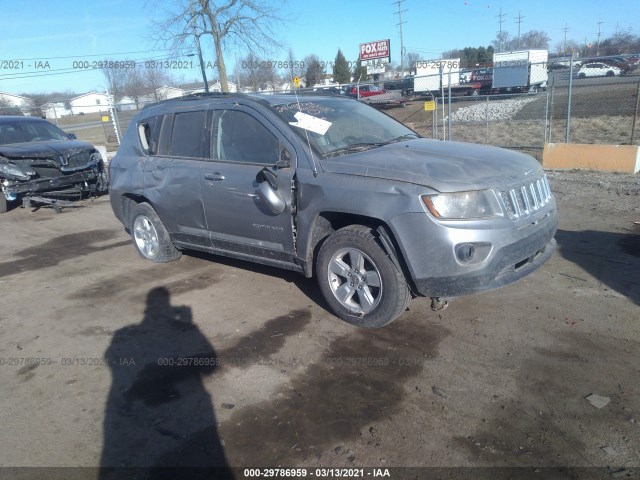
(150, 237)
(358, 279)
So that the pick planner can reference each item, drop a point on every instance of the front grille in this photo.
(525, 200)
(78, 160)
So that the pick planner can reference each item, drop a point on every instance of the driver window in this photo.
(239, 137)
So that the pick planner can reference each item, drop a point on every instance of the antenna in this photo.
(400, 23)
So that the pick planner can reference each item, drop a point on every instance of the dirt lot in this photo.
(496, 380)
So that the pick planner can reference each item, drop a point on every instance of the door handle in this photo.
(215, 177)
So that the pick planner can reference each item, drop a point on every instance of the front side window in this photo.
(239, 137)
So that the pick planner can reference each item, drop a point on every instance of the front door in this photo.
(243, 142)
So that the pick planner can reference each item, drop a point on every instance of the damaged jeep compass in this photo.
(332, 188)
(41, 162)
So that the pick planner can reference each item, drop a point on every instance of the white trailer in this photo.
(435, 76)
(520, 71)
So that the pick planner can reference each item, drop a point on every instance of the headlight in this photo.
(14, 172)
(463, 205)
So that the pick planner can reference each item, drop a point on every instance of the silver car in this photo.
(331, 188)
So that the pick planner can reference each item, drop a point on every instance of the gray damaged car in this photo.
(332, 188)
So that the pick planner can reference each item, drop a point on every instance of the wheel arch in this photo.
(327, 222)
(128, 203)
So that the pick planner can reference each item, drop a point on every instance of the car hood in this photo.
(443, 166)
(48, 149)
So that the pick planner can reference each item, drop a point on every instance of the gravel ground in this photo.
(499, 379)
(490, 111)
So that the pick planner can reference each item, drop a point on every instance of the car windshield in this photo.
(29, 131)
(337, 127)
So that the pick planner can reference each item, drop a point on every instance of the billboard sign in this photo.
(373, 50)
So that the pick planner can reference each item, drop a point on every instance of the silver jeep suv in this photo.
(330, 187)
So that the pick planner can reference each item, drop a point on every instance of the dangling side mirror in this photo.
(268, 191)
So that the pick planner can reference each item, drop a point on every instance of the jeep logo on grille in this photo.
(63, 161)
(528, 172)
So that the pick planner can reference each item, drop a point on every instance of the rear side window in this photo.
(239, 137)
(149, 133)
(187, 137)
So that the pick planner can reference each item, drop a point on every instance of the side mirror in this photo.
(268, 191)
(72, 136)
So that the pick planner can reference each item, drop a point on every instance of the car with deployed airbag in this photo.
(330, 187)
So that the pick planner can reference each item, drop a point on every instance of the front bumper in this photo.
(52, 184)
(508, 265)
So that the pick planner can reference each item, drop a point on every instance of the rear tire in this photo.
(582, 75)
(150, 237)
(358, 279)
(610, 73)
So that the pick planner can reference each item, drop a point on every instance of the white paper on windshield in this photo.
(311, 123)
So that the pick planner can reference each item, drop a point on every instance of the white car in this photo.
(597, 70)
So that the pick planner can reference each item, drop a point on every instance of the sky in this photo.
(49, 46)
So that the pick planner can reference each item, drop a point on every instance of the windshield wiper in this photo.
(356, 147)
(407, 136)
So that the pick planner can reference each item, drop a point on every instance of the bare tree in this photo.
(154, 79)
(563, 48)
(535, 39)
(295, 67)
(250, 24)
(529, 40)
(257, 73)
(411, 59)
(116, 79)
(135, 85)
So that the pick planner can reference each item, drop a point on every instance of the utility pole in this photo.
(400, 23)
(565, 30)
(600, 22)
(519, 21)
(500, 15)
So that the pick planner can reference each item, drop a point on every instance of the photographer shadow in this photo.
(159, 420)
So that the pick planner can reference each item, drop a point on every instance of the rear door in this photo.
(172, 177)
(243, 142)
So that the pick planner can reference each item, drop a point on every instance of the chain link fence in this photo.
(514, 104)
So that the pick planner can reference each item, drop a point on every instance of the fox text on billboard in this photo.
(371, 50)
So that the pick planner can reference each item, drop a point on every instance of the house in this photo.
(11, 101)
(89, 103)
(126, 104)
(56, 109)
